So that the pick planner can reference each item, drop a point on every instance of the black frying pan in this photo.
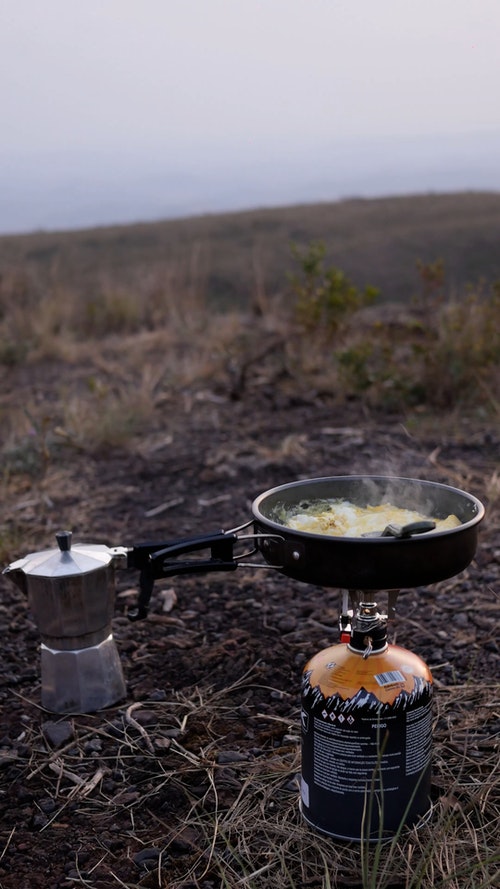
(362, 563)
(369, 563)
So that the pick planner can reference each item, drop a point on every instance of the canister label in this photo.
(366, 761)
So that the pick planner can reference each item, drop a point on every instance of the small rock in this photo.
(47, 805)
(83, 857)
(115, 729)
(226, 778)
(461, 619)
(7, 756)
(292, 785)
(109, 786)
(278, 695)
(158, 695)
(58, 733)
(185, 839)
(172, 733)
(245, 711)
(145, 717)
(77, 875)
(126, 797)
(169, 598)
(147, 857)
(226, 756)
(287, 624)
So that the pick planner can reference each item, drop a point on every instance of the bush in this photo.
(445, 355)
(324, 297)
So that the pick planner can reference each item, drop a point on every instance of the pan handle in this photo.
(156, 560)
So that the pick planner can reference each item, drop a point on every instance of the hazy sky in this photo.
(200, 81)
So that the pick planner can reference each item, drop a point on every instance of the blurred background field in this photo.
(395, 302)
(229, 258)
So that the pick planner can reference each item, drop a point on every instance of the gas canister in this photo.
(366, 734)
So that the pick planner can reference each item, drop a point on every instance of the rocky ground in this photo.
(122, 797)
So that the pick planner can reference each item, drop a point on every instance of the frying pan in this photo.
(368, 563)
(349, 563)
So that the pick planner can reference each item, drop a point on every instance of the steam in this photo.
(427, 498)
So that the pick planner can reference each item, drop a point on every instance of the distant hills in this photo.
(229, 256)
(78, 187)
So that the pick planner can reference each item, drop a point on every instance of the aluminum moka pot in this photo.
(71, 596)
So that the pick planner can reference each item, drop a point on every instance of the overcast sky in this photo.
(195, 84)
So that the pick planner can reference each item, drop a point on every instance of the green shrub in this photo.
(324, 296)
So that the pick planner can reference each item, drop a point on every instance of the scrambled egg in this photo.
(340, 518)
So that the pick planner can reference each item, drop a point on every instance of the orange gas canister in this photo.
(366, 735)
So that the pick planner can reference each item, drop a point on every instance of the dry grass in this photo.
(238, 824)
(123, 345)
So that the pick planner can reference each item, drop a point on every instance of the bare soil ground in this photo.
(190, 781)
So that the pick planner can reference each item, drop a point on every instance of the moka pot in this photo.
(71, 595)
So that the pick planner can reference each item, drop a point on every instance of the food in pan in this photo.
(341, 518)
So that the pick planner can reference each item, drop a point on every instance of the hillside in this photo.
(227, 257)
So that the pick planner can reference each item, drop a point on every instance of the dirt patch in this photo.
(130, 796)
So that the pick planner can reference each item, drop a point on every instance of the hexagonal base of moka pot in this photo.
(82, 680)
